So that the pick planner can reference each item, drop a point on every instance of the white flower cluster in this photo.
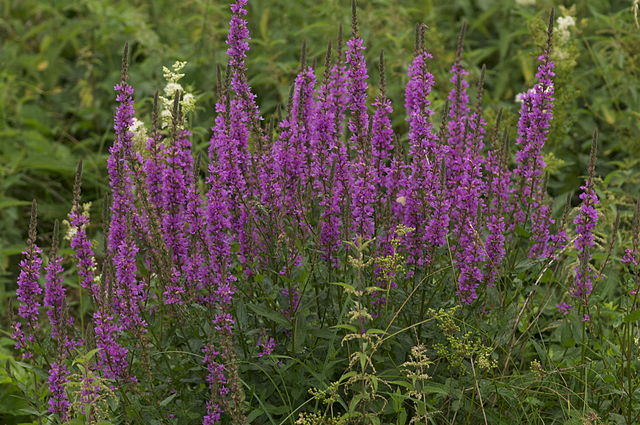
(139, 134)
(173, 87)
(563, 25)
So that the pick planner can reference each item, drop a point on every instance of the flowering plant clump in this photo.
(210, 278)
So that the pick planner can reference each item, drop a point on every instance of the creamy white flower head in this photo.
(563, 25)
(171, 88)
(188, 101)
(139, 135)
(173, 75)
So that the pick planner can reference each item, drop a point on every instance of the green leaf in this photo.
(634, 316)
(168, 399)
(263, 311)
(350, 328)
(84, 359)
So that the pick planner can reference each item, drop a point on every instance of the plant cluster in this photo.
(322, 245)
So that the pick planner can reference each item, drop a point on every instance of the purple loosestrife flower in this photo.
(218, 208)
(498, 183)
(564, 308)
(81, 244)
(58, 400)
(128, 291)
(629, 257)
(79, 240)
(329, 155)
(382, 149)
(54, 295)
(266, 344)
(421, 188)
(29, 292)
(233, 163)
(111, 356)
(214, 414)
(291, 153)
(217, 383)
(361, 182)
(89, 392)
(357, 88)
(533, 129)
(586, 221)
(181, 217)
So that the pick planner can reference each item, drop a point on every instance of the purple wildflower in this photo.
(533, 129)
(564, 308)
(329, 156)
(266, 346)
(81, 244)
(29, 292)
(58, 400)
(585, 222)
(111, 357)
(121, 246)
(54, 295)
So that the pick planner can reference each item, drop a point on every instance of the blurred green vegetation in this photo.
(60, 58)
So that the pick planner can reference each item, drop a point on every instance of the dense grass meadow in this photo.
(319, 212)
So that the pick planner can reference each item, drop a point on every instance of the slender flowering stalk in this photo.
(29, 292)
(111, 356)
(121, 246)
(383, 163)
(80, 242)
(357, 87)
(421, 189)
(58, 401)
(54, 291)
(586, 221)
(329, 167)
(533, 128)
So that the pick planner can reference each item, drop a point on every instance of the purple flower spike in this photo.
(29, 292)
(58, 401)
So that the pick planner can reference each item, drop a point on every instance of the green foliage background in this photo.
(60, 58)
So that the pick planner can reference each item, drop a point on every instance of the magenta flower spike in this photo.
(28, 291)
(54, 291)
(329, 155)
(533, 129)
(58, 401)
(128, 291)
(586, 221)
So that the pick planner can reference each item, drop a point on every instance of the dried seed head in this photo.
(593, 155)
(33, 223)
(420, 30)
(124, 69)
(496, 129)
(219, 81)
(460, 43)
(480, 90)
(290, 99)
(383, 81)
(327, 61)
(339, 44)
(547, 48)
(444, 119)
(55, 237)
(77, 184)
(303, 55)
(155, 115)
(354, 19)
